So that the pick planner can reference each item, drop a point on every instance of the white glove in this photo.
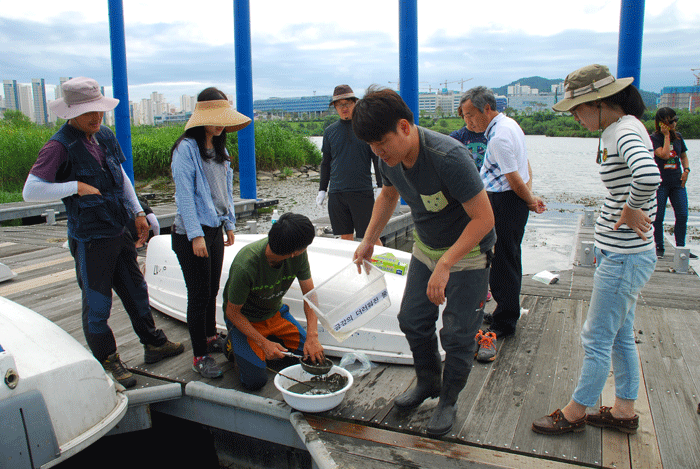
(320, 198)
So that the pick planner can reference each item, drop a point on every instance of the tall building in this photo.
(59, 89)
(301, 105)
(680, 97)
(41, 113)
(11, 93)
(25, 100)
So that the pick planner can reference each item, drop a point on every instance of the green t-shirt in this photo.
(259, 287)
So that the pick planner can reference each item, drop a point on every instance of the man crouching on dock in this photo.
(260, 275)
(81, 165)
(453, 239)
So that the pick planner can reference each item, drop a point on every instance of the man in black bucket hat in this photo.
(346, 166)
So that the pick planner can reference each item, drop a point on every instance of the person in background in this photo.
(346, 167)
(475, 143)
(81, 165)
(506, 174)
(260, 326)
(670, 154)
(453, 241)
(624, 249)
(205, 212)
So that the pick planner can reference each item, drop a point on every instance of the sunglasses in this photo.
(673, 120)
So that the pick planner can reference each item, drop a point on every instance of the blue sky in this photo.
(310, 46)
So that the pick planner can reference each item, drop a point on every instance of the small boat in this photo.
(380, 339)
(6, 273)
(55, 398)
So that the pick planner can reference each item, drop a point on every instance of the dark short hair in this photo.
(629, 99)
(378, 113)
(292, 232)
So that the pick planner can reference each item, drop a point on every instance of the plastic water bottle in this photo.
(275, 216)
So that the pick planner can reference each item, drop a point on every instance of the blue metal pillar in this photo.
(408, 55)
(120, 87)
(244, 98)
(629, 51)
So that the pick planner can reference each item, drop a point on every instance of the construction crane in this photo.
(461, 82)
(697, 76)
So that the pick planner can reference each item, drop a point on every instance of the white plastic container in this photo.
(348, 300)
(310, 403)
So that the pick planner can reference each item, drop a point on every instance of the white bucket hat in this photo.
(81, 95)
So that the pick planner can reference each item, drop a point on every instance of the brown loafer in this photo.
(556, 424)
(604, 419)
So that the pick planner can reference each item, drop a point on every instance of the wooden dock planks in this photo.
(535, 372)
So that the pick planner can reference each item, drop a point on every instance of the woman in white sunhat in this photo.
(624, 248)
(81, 165)
(204, 197)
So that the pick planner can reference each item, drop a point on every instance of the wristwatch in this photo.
(686, 170)
(141, 214)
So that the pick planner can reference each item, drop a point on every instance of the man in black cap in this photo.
(346, 166)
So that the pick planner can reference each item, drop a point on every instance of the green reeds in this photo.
(275, 148)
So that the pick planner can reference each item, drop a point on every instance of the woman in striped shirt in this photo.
(624, 249)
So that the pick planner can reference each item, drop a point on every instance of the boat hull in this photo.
(380, 339)
(56, 398)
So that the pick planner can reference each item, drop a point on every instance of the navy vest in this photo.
(93, 216)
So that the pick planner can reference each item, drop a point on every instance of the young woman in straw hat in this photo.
(204, 197)
(624, 247)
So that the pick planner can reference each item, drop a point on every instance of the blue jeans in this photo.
(608, 333)
(679, 201)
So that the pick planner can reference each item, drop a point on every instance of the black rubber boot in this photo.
(453, 381)
(426, 360)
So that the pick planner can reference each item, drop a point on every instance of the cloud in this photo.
(297, 54)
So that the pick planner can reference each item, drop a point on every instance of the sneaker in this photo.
(691, 255)
(487, 347)
(114, 365)
(216, 344)
(154, 354)
(207, 367)
(660, 253)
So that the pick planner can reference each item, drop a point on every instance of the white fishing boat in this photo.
(380, 339)
(55, 398)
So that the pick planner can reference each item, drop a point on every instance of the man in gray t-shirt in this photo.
(454, 235)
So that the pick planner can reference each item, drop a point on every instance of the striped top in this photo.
(631, 176)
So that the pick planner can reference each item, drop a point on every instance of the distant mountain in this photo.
(542, 84)
(545, 85)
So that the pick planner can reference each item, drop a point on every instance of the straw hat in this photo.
(81, 95)
(219, 113)
(589, 83)
(342, 92)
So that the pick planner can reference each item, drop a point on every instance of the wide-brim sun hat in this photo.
(81, 95)
(342, 92)
(218, 113)
(589, 83)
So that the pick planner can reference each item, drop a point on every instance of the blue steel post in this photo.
(120, 88)
(244, 98)
(408, 54)
(629, 51)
